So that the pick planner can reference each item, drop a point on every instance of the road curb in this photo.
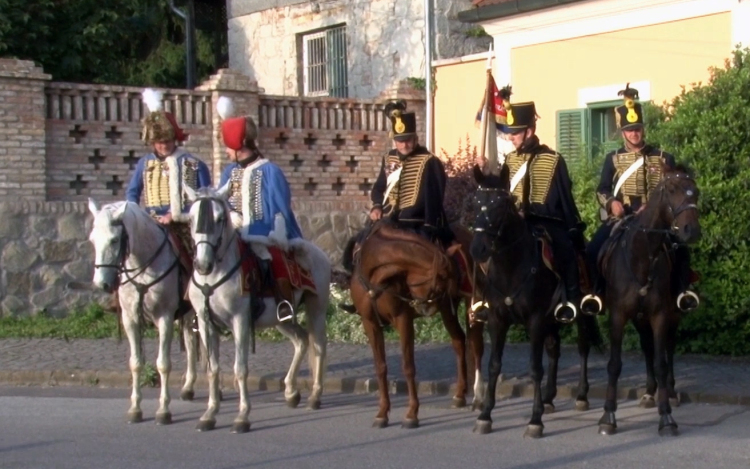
(508, 389)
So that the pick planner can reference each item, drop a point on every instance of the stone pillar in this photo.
(415, 102)
(244, 94)
(22, 130)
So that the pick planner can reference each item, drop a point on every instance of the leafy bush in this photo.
(460, 187)
(708, 127)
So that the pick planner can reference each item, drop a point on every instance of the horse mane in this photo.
(682, 168)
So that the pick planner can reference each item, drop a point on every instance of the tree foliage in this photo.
(130, 42)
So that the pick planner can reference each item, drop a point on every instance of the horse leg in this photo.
(674, 398)
(316, 309)
(375, 336)
(458, 340)
(476, 342)
(191, 348)
(405, 326)
(165, 325)
(647, 345)
(241, 333)
(298, 336)
(667, 424)
(210, 339)
(608, 422)
(498, 330)
(535, 428)
(552, 345)
(584, 347)
(133, 332)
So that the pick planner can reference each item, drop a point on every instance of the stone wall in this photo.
(386, 41)
(44, 246)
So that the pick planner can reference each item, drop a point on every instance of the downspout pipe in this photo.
(429, 111)
(188, 17)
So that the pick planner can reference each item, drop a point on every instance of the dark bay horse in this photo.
(637, 269)
(521, 290)
(397, 277)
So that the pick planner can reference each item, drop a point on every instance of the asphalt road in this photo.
(84, 428)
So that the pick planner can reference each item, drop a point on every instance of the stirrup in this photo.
(289, 316)
(592, 298)
(688, 294)
(478, 308)
(560, 307)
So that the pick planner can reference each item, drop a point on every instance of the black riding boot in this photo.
(687, 300)
(282, 292)
(593, 303)
(566, 311)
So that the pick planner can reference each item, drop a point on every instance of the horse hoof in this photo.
(549, 408)
(241, 427)
(380, 422)
(135, 417)
(669, 430)
(483, 427)
(477, 405)
(164, 419)
(458, 402)
(293, 401)
(314, 405)
(647, 402)
(534, 431)
(410, 423)
(206, 425)
(674, 401)
(187, 395)
(606, 429)
(582, 406)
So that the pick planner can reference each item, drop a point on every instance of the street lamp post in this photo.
(189, 17)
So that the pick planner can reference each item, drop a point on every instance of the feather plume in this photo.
(505, 93)
(395, 108)
(152, 98)
(628, 92)
(225, 107)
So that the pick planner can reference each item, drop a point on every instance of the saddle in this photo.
(284, 266)
(183, 247)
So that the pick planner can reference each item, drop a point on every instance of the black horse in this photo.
(636, 263)
(521, 290)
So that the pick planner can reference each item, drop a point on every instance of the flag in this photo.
(493, 111)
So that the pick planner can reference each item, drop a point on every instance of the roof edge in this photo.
(502, 10)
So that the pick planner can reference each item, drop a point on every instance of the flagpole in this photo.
(488, 101)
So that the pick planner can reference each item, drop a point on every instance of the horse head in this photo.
(110, 242)
(677, 206)
(209, 223)
(495, 207)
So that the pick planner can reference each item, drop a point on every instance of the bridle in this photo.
(494, 234)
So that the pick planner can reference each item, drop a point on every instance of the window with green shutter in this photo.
(324, 63)
(572, 133)
(582, 133)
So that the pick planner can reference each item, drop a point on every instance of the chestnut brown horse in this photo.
(637, 269)
(397, 277)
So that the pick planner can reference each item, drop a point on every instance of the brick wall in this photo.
(68, 142)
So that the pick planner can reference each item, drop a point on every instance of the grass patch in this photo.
(93, 322)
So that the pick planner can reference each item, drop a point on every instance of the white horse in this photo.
(216, 294)
(133, 255)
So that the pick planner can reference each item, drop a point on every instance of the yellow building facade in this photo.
(572, 61)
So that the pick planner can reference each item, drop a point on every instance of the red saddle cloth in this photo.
(283, 266)
(466, 285)
(183, 249)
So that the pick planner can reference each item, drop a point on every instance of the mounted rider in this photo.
(161, 175)
(541, 183)
(261, 200)
(628, 177)
(410, 187)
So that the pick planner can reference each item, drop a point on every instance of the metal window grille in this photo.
(324, 56)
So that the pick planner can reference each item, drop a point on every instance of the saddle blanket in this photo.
(182, 241)
(466, 286)
(283, 267)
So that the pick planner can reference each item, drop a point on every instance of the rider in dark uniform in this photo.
(628, 177)
(410, 187)
(542, 185)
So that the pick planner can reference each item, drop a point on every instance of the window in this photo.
(324, 63)
(589, 131)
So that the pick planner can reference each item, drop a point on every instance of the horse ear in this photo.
(93, 207)
(190, 193)
(120, 212)
(223, 191)
(478, 174)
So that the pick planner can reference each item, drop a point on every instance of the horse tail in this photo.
(591, 332)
